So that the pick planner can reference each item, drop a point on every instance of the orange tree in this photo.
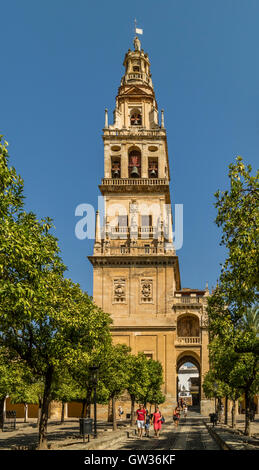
(45, 319)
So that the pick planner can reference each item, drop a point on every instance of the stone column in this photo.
(144, 162)
(124, 161)
(106, 119)
(107, 161)
(162, 119)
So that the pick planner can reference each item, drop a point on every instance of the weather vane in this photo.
(136, 41)
(137, 30)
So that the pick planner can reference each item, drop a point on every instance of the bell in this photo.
(153, 173)
(134, 172)
(116, 173)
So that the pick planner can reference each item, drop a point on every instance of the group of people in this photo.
(181, 407)
(146, 419)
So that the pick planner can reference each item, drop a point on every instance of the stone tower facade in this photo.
(135, 267)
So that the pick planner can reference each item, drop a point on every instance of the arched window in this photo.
(134, 164)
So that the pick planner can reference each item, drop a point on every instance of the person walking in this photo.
(141, 419)
(157, 421)
(176, 416)
(147, 423)
(185, 409)
(120, 411)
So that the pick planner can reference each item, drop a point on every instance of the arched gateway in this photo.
(188, 379)
(136, 269)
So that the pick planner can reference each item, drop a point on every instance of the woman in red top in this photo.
(157, 421)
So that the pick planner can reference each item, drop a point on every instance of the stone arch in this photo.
(188, 325)
(193, 358)
(189, 356)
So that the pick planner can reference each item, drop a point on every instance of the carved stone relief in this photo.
(119, 290)
(146, 290)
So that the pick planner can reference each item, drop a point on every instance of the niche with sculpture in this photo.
(188, 325)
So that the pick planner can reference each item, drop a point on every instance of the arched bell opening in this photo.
(134, 163)
(153, 167)
(135, 117)
(116, 167)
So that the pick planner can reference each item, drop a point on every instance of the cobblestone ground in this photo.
(191, 434)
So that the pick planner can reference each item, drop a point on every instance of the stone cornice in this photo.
(142, 260)
(142, 328)
(154, 260)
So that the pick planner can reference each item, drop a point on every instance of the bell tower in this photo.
(135, 267)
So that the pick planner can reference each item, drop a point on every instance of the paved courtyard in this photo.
(192, 434)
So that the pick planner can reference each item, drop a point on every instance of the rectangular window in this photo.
(148, 355)
(122, 220)
(146, 221)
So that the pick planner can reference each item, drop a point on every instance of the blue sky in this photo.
(61, 65)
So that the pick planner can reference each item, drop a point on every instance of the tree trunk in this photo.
(39, 411)
(132, 412)
(83, 408)
(233, 413)
(2, 400)
(25, 412)
(114, 422)
(226, 410)
(110, 411)
(247, 415)
(63, 412)
(45, 409)
(219, 410)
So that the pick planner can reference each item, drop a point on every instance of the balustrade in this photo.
(134, 130)
(134, 181)
(188, 340)
(188, 300)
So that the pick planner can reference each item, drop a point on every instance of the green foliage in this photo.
(45, 319)
(114, 374)
(231, 348)
(233, 318)
(238, 216)
(138, 376)
(11, 184)
(10, 373)
(251, 320)
(213, 387)
(154, 394)
(28, 390)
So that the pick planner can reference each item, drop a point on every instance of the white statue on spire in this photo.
(137, 44)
